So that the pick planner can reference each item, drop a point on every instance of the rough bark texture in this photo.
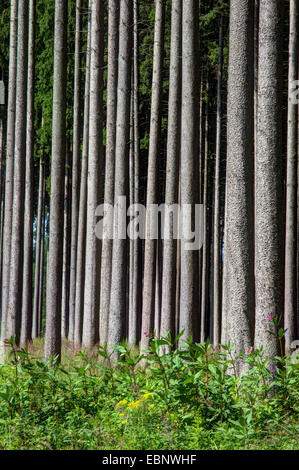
(80, 263)
(291, 268)
(9, 162)
(117, 316)
(217, 238)
(95, 155)
(75, 172)
(238, 282)
(113, 19)
(17, 234)
(189, 166)
(38, 251)
(54, 273)
(172, 169)
(26, 323)
(148, 306)
(269, 179)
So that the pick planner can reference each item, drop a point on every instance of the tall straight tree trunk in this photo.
(113, 19)
(204, 268)
(38, 250)
(217, 238)
(17, 234)
(75, 172)
(2, 172)
(291, 268)
(9, 167)
(238, 282)
(66, 248)
(80, 263)
(55, 256)
(26, 323)
(189, 301)
(41, 269)
(136, 291)
(119, 253)
(172, 170)
(269, 179)
(95, 155)
(148, 306)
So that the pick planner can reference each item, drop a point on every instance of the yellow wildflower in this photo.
(124, 421)
(146, 396)
(121, 403)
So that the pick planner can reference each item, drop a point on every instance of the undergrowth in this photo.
(188, 398)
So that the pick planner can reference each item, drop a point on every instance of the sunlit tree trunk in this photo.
(95, 155)
(189, 298)
(80, 263)
(172, 170)
(9, 165)
(26, 323)
(75, 173)
(55, 256)
(291, 268)
(117, 316)
(17, 234)
(269, 179)
(113, 19)
(148, 306)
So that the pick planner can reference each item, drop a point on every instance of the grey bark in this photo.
(204, 268)
(80, 263)
(148, 306)
(95, 155)
(217, 237)
(189, 301)
(17, 234)
(238, 282)
(113, 20)
(117, 316)
(38, 251)
(55, 254)
(291, 268)
(9, 163)
(269, 179)
(172, 169)
(75, 172)
(66, 249)
(26, 323)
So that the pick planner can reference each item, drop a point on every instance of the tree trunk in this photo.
(189, 301)
(148, 307)
(17, 234)
(238, 282)
(269, 179)
(38, 250)
(80, 263)
(119, 253)
(9, 168)
(217, 238)
(55, 255)
(290, 304)
(66, 249)
(113, 18)
(172, 170)
(26, 323)
(95, 155)
(75, 172)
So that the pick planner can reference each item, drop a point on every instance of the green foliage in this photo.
(189, 398)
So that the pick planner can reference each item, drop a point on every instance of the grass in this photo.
(185, 399)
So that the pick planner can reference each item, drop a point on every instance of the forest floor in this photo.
(183, 400)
